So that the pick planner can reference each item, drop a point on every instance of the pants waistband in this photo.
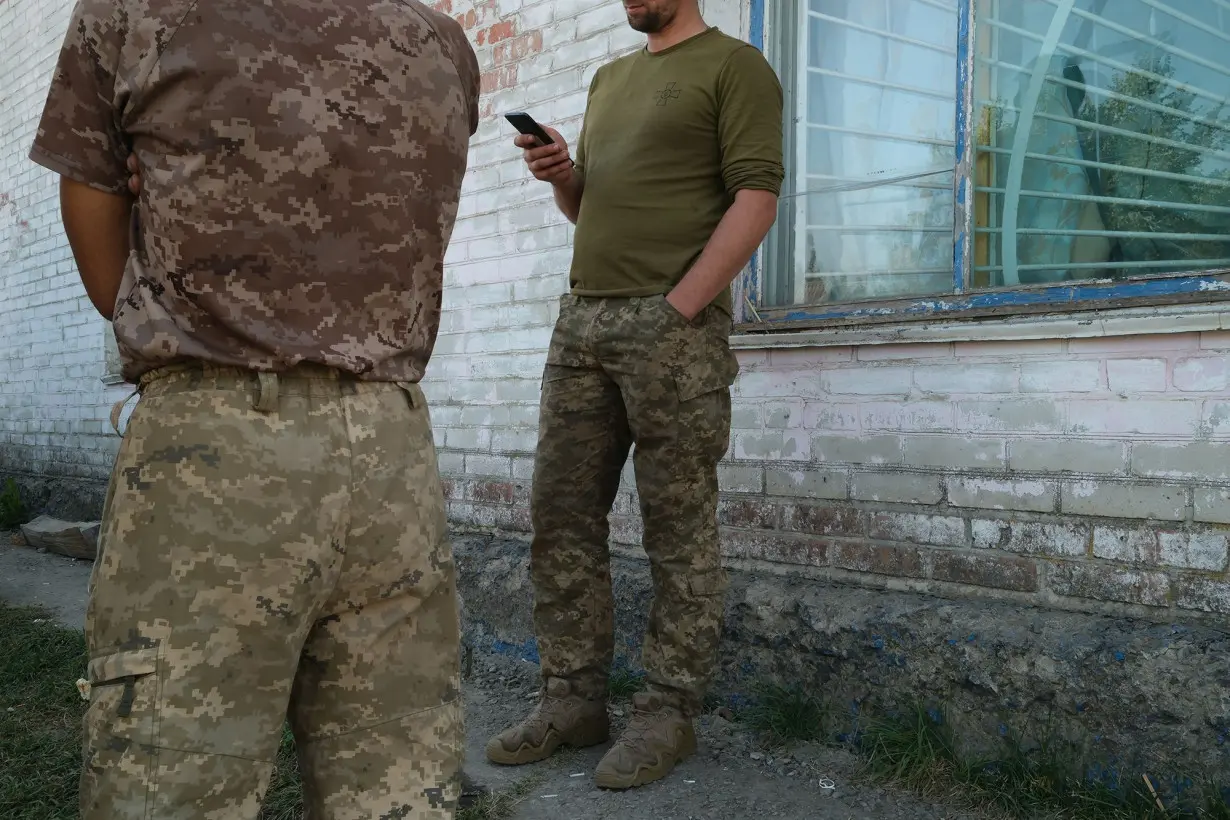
(305, 380)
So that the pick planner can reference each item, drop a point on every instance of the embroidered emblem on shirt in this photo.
(667, 94)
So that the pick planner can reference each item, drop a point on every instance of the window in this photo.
(948, 155)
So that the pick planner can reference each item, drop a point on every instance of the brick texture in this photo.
(53, 351)
(1088, 470)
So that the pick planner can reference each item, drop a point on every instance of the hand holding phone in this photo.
(545, 151)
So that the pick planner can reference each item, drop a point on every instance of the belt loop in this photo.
(267, 401)
(413, 392)
(118, 408)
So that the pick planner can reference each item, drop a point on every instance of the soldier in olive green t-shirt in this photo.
(675, 184)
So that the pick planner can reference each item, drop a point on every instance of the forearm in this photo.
(738, 235)
(96, 224)
(568, 197)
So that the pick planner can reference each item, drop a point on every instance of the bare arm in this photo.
(97, 227)
(742, 229)
(552, 163)
(568, 196)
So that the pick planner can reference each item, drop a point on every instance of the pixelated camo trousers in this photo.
(619, 372)
(273, 546)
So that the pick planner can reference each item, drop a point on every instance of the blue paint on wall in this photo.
(963, 80)
(755, 34)
(1057, 295)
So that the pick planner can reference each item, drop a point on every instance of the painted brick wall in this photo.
(53, 404)
(1086, 473)
(1091, 473)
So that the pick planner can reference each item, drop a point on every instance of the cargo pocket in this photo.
(705, 374)
(708, 584)
(121, 726)
(124, 695)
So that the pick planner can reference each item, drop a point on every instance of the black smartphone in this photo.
(526, 124)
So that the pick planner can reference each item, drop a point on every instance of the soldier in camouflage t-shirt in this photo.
(274, 540)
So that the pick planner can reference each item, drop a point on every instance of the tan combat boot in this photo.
(657, 738)
(560, 718)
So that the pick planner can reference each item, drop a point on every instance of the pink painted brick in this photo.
(1061, 377)
(1136, 344)
(804, 383)
(1009, 350)
(934, 350)
(1201, 374)
(808, 357)
(752, 359)
(1136, 375)
(1215, 340)
(1133, 416)
(783, 415)
(921, 416)
(777, 445)
(823, 415)
(869, 381)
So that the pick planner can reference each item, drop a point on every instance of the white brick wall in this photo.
(53, 405)
(509, 258)
(1058, 471)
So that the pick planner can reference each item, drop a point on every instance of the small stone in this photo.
(18, 540)
(757, 756)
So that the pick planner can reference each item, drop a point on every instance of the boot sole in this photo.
(526, 754)
(644, 775)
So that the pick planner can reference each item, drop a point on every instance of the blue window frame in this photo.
(983, 157)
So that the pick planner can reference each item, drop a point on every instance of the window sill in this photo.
(1067, 325)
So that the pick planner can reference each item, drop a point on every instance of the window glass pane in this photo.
(1103, 139)
(871, 204)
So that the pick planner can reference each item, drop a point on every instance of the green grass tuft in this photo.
(12, 510)
(785, 714)
(624, 683)
(917, 750)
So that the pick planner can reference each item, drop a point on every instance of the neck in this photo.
(684, 25)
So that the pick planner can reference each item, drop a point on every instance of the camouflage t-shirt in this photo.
(301, 165)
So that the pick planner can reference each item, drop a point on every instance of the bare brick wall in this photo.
(1073, 473)
(53, 404)
(1090, 473)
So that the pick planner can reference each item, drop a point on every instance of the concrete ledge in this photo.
(1136, 696)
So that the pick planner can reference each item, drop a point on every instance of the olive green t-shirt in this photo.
(667, 141)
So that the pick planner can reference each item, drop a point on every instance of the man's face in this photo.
(650, 16)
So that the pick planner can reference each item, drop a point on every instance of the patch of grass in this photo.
(624, 683)
(917, 750)
(12, 510)
(40, 715)
(284, 799)
(785, 714)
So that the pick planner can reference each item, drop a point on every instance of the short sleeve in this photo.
(750, 123)
(464, 59)
(79, 135)
(578, 156)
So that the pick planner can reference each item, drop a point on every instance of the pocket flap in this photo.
(133, 663)
(698, 379)
(708, 583)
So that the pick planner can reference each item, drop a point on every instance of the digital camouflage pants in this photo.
(621, 372)
(273, 547)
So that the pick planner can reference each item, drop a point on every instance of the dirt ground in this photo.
(732, 777)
